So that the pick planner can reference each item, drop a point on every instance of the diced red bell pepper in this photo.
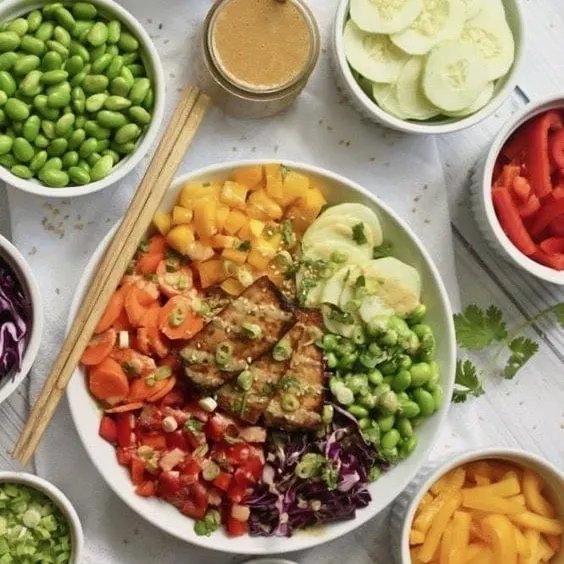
(176, 440)
(521, 189)
(536, 154)
(124, 428)
(137, 471)
(220, 425)
(511, 221)
(196, 411)
(236, 528)
(196, 504)
(191, 509)
(191, 467)
(237, 492)
(555, 261)
(169, 485)
(556, 227)
(238, 453)
(530, 208)
(108, 429)
(215, 497)
(174, 398)
(123, 456)
(155, 440)
(146, 489)
(254, 467)
(553, 245)
(556, 149)
(546, 215)
(223, 481)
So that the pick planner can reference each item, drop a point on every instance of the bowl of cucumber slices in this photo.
(427, 66)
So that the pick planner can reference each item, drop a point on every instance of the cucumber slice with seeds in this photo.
(492, 37)
(373, 56)
(412, 100)
(454, 75)
(481, 101)
(386, 97)
(472, 7)
(440, 20)
(385, 16)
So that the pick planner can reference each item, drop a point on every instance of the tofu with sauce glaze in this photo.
(261, 306)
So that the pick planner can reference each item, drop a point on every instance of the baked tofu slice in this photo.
(227, 345)
(297, 401)
(265, 372)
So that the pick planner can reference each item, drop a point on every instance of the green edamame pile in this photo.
(387, 377)
(75, 96)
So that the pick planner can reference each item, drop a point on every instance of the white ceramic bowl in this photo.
(404, 509)
(86, 413)
(62, 502)
(370, 109)
(23, 273)
(482, 204)
(12, 9)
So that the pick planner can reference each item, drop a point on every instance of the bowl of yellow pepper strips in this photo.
(491, 506)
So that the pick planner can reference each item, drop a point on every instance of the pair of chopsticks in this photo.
(178, 136)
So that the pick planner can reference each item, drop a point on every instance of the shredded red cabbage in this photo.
(285, 502)
(15, 315)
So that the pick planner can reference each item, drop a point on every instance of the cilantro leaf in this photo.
(522, 350)
(475, 330)
(358, 234)
(288, 233)
(384, 250)
(467, 381)
(244, 246)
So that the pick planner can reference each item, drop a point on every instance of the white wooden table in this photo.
(519, 414)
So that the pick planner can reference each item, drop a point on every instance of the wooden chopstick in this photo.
(177, 138)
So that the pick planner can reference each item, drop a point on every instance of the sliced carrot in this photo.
(177, 320)
(122, 322)
(125, 407)
(143, 340)
(174, 282)
(138, 298)
(112, 312)
(173, 361)
(134, 363)
(162, 388)
(99, 347)
(140, 390)
(107, 381)
(156, 244)
(151, 322)
(148, 263)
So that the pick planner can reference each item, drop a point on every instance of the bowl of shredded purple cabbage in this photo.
(21, 318)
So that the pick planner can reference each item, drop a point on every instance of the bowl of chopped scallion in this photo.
(37, 522)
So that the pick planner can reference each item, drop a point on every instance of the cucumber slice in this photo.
(384, 16)
(373, 307)
(344, 329)
(411, 99)
(454, 75)
(492, 37)
(440, 20)
(373, 56)
(334, 287)
(482, 100)
(472, 7)
(360, 211)
(386, 97)
(349, 288)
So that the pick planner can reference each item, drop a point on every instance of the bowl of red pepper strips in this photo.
(518, 190)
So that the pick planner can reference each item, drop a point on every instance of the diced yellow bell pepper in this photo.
(234, 194)
(199, 252)
(460, 536)
(181, 216)
(252, 229)
(416, 537)
(193, 191)
(274, 185)
(222, 241)
(533, 496)
(235, 220)
(221, 216)
(205, 217)
(502, 537)
(267, 247)
(258, 260)
(211, 272)
(238, 257)
(249, 176)
(308, 206)
(295, 186)
(260, 201)
(163, 222)
(180, 238)
(232, 286)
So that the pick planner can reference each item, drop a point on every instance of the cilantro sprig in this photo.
(486, 330)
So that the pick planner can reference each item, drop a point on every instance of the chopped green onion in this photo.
(339, 257)
(328, 413)
(245, 380)
(289, 402)
(223, 353)
(150, 382)
(162, 373)
(283, 259)
(230, 268)
(209, 524)
(251, 330)
(245, 277)
(182, 282)
(310, 465)
(282, 350)
(210, 471)
(176, 317)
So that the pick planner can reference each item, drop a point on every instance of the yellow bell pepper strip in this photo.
(533, 539)
(521, 544)
(501, 533)
(446, 544)
(460, 536)
(533, 496)
(538, 523)
(490, 504)
(505, 488)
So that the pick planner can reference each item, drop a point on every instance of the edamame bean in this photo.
(78, 175)
(22, 171)
(95, 102)
(390, 439)
(81, 29)
(41, 142)
(7, 83)
(65, 18)
(84, 11)
(17, 128)
(64, 125)
(74, 65)
(40, 104)
(420, 374)
(30, 85)
(103, 144)
(78, 78)
(84, 166)
(409, 445)
(410, 409)
(138, 92)
(114, 31)
(78, 99)
(77, 49)
(19, 25)
(23, 150)
(48, 128)
(404, 427)
(33, 45)
(364, 423)
(54, 178)
(70, 159)
(45, 31)
(62, 36)
(138, 71)
(34, 19)
(50, 78)
(92, 160)
(425, 401)
(386, 422)
(438, 397)
(101, 63)
(55, 163)
(115, 158)
(95, 130)
(76, 139)
(38, 161)
(25, 64)
(7, 160)
(355, 410)
(119, 86)
(130, 58)
(95, 83)
(112, 50)
(6, 143)
(51, 61)
(9, 41)
(49, 10)
(80, 122)
(57, 147)
(375, 377)
(8, 60)
(118, 103)
(98, 35)
(356, 382)
(114, 67)
(125, 73)
(16, 110)
(58, 98)
(57, 47)
(113, 120)
(3, 97)
(389, 367)
(127, 42)
(401, 381)
(368, 400)
(96, 52)
(88, 147)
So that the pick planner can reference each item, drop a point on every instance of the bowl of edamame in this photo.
(81, 95)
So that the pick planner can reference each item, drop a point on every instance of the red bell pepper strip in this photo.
(536, 154)
(521, 189)
(558, 192)
(546, 215)
(509, 173)
(511, 221)
(529, 208)
(553, 245)
(515, 146)
(556, 148)
(556, 227)
(555, 260)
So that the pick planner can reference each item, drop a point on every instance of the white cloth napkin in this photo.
(58, 237)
